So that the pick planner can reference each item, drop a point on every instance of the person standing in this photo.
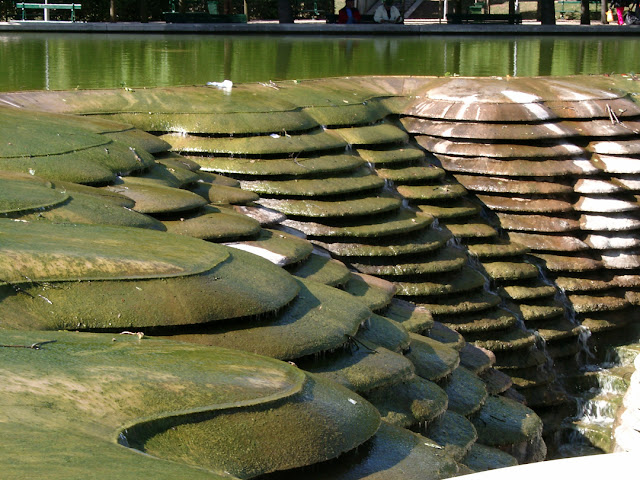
(349, 14)
(387, 13)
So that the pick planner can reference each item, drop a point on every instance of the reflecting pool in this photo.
(67, 61)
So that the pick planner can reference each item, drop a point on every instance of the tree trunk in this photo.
(585, 14)
(112, 11)
(285, 11)
(547, 12)
(603, 11)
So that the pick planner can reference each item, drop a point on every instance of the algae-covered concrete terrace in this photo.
(372, 277)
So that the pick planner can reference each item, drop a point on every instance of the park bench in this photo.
(567, 3)
(459, 18)
(49, 6)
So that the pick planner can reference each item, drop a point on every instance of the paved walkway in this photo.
(412, 27)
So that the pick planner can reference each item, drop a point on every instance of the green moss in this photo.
(397, 223)
(275, 144)
(373, 134)
(172, 176)
(412, 317)
(457, 305)
(242, 285)
(511, 339)
(485, 321)
(256, 440)
(318, 319)
(451, 210)
(283, 248)
(239, 123)
(358, 181)
(423, 240)
(481, 458)
(432, 359)
(445, 260)
(387, 333)
(330, 209)
(445, 191)
(453, 432)
(392, 156)
(23, 193)
(363, 369)
(321, 269)
(454, 282)
(222, 194)
(154, 199)
(502, 422)
(348, 115)
(408, 403)
(466, 392)
(497, 249)
(471, 230)
(409, 175)
(372, 291)
(213, 224)
(303, 167)
(510, 271)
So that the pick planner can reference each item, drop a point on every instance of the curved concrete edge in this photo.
(316, 28)
(619, 465)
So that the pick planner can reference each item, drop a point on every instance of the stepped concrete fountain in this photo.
(486, 247)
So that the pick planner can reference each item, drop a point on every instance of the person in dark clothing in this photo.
(349, 14)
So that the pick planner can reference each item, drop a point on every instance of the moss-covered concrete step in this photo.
(320, 318)
(349, 114)
(223, 194)
(497, 249)
(469, 231)
(433, 360)
(423, 240)
(267, 217)
(275, 144)
(464, 280)
(362, 368)
(541, 310)
(374, 292)
(409, 403)
(366, 206)
(485, 184)
(277, 246)
(496, 381)
(442, 261)
(412, 317)
(481, 458)
(584, 283)
(499, 150)
(299, 167)
(466, 392)
(577, 263)
(291, 421)
(172, 176)
(554, 243)
(491, 320)
(359, 181)
(455, 209)
(510, 426)
(510, 271)
(392, 156)
(524, 203)
(437, 192)
(454, 433)
(412, 175)
(517, 168)
(598, 436)
(322, 269)
(616, 379)
(504, 340)
(384, 332)
(393, 454)
(392, 224)
(459, 305)
(537, 223)
(476, 359)
(158, 199)
(381, 133)
(214, 224)
(446, 336)
(532, 289)
(603, 302)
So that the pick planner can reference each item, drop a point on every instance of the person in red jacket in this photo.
(349, 14)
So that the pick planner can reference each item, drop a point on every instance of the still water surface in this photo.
(67, 61)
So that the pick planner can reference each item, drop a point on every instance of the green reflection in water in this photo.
(67, 61)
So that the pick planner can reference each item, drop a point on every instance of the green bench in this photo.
(49, 6)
